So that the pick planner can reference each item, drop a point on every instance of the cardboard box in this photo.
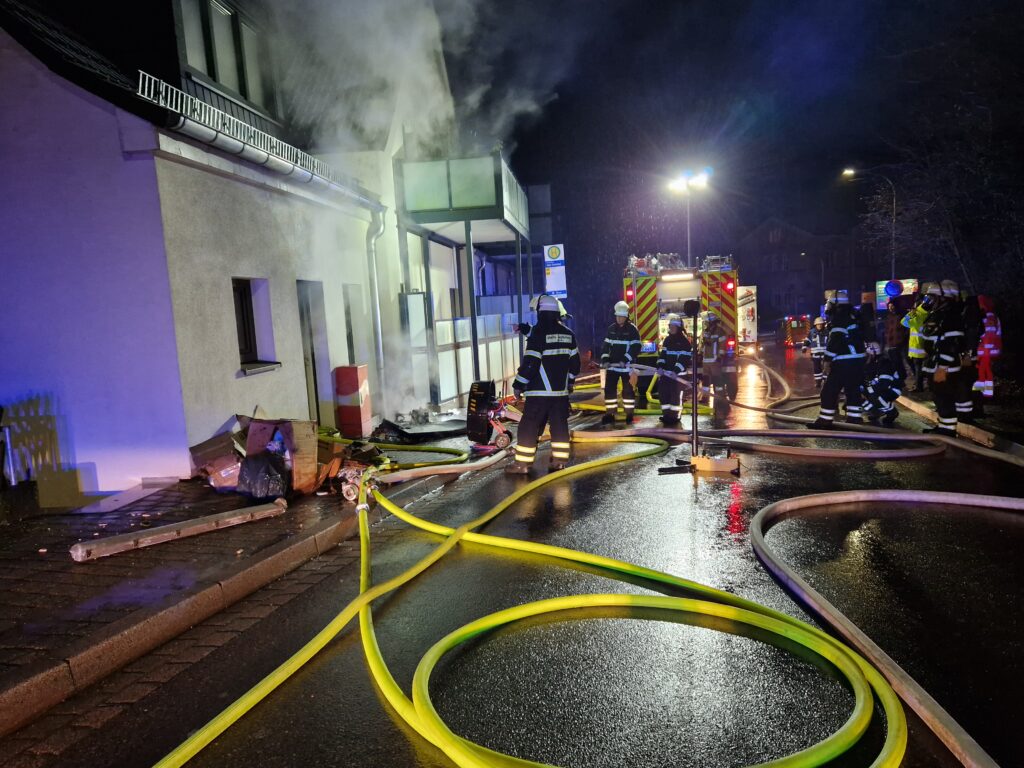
(216, 448)
(300, 440)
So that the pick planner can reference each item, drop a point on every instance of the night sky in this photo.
(776, 96)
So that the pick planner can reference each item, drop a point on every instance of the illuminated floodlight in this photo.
(849, 173)
(700, 181)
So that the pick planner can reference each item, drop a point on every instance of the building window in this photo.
(254, 324)
(222, 27)
(195, 42)
(220, 44)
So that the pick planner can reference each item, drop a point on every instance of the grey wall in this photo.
(217, 228)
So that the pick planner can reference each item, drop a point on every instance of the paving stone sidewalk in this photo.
(66, 625)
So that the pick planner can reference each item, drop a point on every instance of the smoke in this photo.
(345, 68)
(507, 60)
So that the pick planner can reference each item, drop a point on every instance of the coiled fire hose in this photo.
(420, 713)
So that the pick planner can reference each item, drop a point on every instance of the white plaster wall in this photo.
(218, 227)
(88, 356)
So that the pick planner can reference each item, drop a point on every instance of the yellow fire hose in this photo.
(419, 712)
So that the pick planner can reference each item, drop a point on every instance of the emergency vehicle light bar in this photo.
(674, 276)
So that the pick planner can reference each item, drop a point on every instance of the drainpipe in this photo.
(480, 275)
(373, 234)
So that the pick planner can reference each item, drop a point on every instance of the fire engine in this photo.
(656, 285)
(793, 329)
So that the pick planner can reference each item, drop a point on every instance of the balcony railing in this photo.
(234, 135)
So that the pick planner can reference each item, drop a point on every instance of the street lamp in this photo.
(851, 175)
(683, 185)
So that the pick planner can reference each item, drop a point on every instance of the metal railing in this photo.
(163, 94)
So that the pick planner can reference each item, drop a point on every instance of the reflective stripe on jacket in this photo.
(550, 364)
(621, 347)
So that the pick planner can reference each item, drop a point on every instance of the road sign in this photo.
(554, 271)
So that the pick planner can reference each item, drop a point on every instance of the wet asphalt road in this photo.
(940, 590)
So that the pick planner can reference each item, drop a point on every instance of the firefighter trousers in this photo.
(819, 371)
(945, 394)
(668, 394)
(844, 376)
(611, 398)
(538, 412)
(964, 394)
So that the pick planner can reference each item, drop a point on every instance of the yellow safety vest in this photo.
(914, 320)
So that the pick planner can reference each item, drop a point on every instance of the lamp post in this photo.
(683, 185)
(851, 174)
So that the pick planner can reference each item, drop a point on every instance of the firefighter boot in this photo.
(629, 417)
(820, 423)
(608, 418)
(517, 468)
(555, 466)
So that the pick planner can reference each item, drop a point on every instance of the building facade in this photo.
(170, 259)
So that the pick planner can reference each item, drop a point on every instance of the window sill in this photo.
(259, 366)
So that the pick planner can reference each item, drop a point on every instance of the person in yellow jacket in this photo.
(913, 321)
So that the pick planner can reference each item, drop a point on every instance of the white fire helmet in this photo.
(932, 289)
(710, 317)
(621, 309)
(547, 304)
(819, 321)
(950, 289)
(674, 319)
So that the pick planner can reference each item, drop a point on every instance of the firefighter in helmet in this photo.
(844, 362)
(618, 354)
(546, 376)
(942, 336)
(673, 360)
(814, 344)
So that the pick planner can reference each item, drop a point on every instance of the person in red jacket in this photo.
(989, 347)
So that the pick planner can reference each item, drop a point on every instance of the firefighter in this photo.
(882, 385)
(718, 361)
(673, 360)
(618, 353)
(943, 339)
(844, 362)
(814, 344)
(546, 377)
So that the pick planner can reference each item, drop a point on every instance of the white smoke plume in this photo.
(345, 65)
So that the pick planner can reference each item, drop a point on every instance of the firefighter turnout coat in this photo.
(550, 364)
(621, 347)
(816, 341)
(675, 353)
(943, 339)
